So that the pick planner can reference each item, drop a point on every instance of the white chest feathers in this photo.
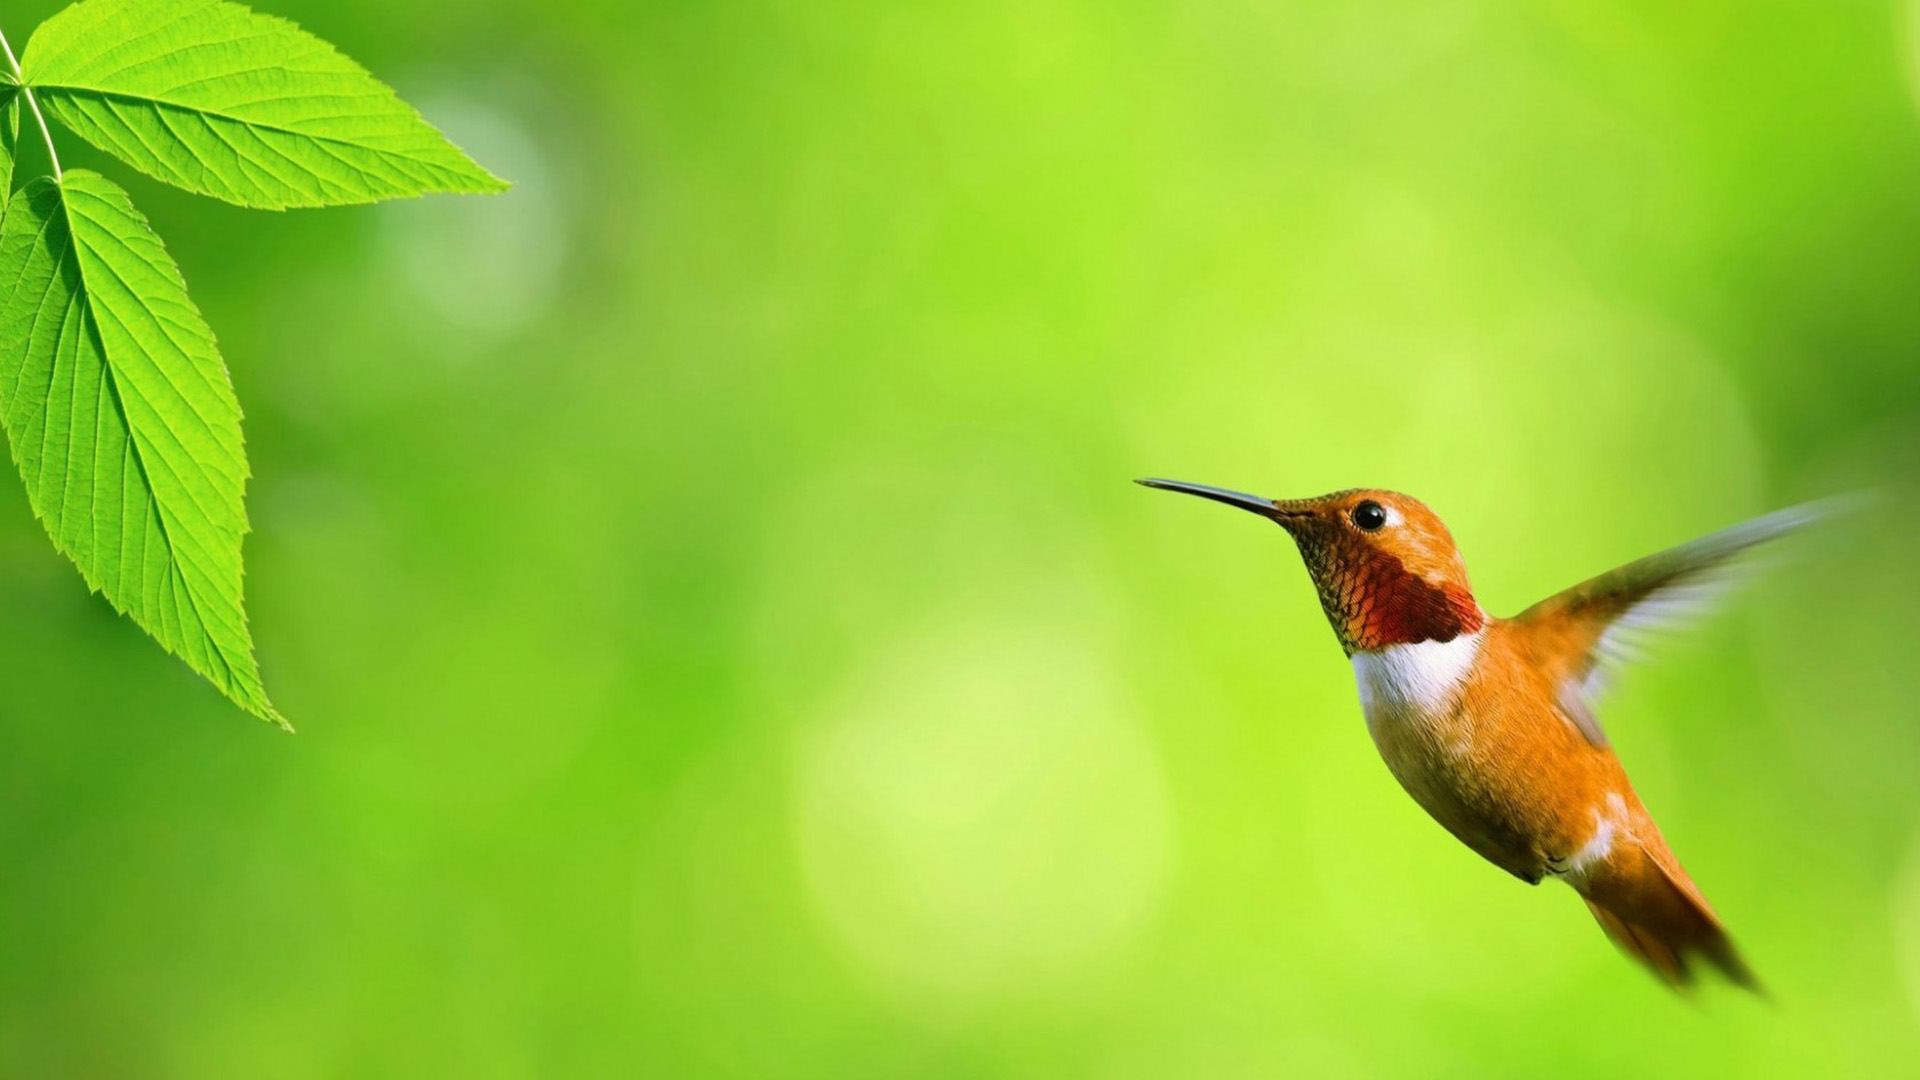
(1413, 681)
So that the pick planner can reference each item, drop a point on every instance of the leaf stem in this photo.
(33, 103)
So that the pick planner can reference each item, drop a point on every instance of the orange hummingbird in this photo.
(1488, 722)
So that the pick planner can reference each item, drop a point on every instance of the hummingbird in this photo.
(1489, 723)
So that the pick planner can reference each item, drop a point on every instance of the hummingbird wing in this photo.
(1587, 632)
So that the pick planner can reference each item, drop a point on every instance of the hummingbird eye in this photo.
(1369, 516)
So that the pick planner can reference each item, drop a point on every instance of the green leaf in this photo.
(214, 98)
(123, 423)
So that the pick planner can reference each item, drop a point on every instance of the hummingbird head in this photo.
(1385, 566)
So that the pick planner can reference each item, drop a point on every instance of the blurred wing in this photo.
(1600, 625)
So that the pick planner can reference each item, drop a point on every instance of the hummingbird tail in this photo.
(1653, 912)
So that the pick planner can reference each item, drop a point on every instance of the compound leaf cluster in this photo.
(118, 409)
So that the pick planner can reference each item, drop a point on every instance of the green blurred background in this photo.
(724, 640)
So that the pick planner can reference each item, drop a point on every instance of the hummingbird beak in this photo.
(1268, 508)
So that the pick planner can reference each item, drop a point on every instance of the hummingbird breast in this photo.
(1473, 733)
